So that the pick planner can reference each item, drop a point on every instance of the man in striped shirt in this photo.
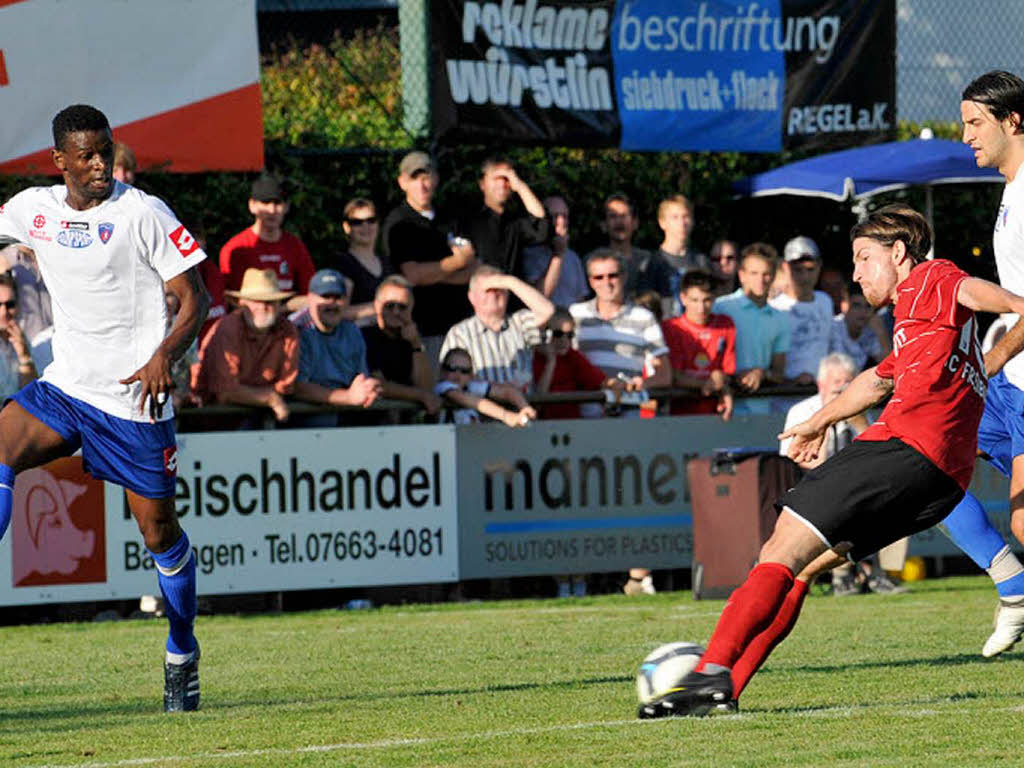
(498, 343)
(619, 337)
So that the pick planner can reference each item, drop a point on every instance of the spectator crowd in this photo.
(467, 317)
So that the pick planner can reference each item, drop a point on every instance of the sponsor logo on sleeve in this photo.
(183, 241)
(74, 238)
(105, 230)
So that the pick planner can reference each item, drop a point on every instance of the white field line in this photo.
(829, 712)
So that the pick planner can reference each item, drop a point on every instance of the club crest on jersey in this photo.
(105, 230)
(74, 238)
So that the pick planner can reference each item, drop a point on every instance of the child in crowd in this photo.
(702, 349)
(472, 397)
(557, 367)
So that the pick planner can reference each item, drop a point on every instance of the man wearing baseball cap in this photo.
(251, 356)
(265, 244)
(421, 245)
(332, 353)
(810, 312)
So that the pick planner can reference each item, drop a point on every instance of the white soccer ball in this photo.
(664, 667)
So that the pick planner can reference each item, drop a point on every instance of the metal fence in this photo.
(944, 44)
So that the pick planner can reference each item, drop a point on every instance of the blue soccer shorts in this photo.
(139, 456)
(1001, 431)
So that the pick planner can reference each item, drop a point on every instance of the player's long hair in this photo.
(897, 222)
(1002, 92)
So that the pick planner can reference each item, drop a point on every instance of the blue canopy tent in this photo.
(865, 171)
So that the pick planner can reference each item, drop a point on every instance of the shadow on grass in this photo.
(933, 661)
(64, 718)
(921, 702)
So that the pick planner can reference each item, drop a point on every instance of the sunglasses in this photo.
(723, 258)
(395, 306)
(563, 334)
(356, 222)
(12, 304)
(607, 276)
(457, 369)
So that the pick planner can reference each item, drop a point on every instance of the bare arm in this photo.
(1006, 348)
(430, 272)
(549, 282)
(361, 392)
(530, 201)
(260, 397)
(155, 376)
(662, 376)
(534, 300)
(981, 295)
(864, 391)
(485, 406)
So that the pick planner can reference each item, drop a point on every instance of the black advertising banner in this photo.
(665, 74)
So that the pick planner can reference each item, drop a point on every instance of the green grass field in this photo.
(880, 681)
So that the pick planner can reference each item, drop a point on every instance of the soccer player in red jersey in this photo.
(902, 475)
(701, 348)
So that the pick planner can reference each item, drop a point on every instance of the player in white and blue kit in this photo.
(992, 110)
(106, 252)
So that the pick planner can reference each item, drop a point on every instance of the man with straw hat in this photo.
(251, 357)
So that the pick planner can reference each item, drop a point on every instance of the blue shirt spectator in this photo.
(761, 331)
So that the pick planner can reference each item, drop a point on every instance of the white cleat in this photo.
(1009, 628)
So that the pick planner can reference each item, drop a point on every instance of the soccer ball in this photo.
(664, 667)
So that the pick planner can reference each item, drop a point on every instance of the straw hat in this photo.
(260, 285)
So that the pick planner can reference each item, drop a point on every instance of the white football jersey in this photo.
(105, 269)
(1008, 244)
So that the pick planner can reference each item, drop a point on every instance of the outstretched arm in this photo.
(155, 375)
(864, 391)
(983, 296)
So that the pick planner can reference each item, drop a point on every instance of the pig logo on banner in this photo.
(57, 530)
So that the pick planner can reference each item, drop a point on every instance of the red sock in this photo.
(749, 611)
(760, 647)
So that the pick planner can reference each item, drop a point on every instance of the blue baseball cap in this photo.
(327, 282)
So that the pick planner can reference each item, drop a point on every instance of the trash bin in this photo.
(733, 494)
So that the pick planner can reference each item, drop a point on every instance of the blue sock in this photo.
(176, 572)
(970, 529)
(6, 497)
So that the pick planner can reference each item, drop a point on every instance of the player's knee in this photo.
(160, 535)
(1017, 524)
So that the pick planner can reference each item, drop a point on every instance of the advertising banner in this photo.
(265, 511)
(307, 509)
(665, 75)
(179, 80)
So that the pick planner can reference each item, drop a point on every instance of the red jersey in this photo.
(698, 350)
(938, 372)
(288, 257)
(573, 373)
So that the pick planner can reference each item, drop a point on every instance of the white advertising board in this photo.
(265, 511)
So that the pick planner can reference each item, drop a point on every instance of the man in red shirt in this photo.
(701, 349)
(902, 475)
(265, 245)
